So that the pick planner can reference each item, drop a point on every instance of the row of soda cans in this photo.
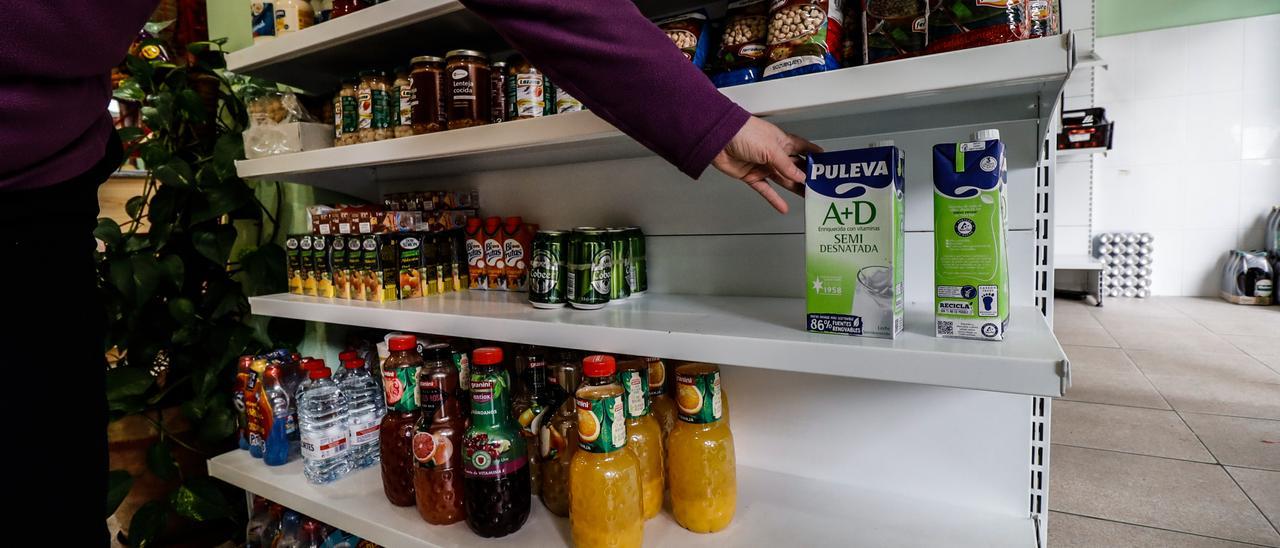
(587, 267)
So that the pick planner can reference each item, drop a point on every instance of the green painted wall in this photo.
(1126, 16)
(230, 19)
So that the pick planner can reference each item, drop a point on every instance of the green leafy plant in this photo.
(175, 276)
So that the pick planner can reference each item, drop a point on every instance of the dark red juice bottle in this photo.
(400, 383)
(495, 462)
(437, 445)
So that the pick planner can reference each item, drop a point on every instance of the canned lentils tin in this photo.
(637, 273)
(548, 269)
(620, 253)
(590, 268)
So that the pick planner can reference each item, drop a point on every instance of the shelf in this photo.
(1070, 152)
(1015, 81)
(774, 509)
(1076, 262)
(760, 332)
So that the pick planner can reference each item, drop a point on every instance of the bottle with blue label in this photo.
(971, 267)
(854, 241)
(280, 424)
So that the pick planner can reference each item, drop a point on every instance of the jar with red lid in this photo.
(468, 88)
(427, 78)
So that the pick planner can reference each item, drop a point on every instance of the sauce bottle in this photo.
(604, 481)
(532, 404)
(644, 436)
(395, 438)
(495, 461)
(700, 460)
(437, 445)
(558, 438)
(660, 404)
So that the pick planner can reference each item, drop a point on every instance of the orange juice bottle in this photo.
(644, 436)
(660, 404)
(700, 462)
(605, 509)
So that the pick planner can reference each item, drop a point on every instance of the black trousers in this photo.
(54, 402)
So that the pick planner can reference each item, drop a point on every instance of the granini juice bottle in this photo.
(700, 461)
(532, 405)
(605, 507)
(558, 438)
(437, 445)
(644, 436)
(494, 458)
(660, 404)
(400, 383)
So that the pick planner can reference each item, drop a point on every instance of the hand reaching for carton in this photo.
(761, 152)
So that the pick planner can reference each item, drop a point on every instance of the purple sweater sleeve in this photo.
(623, 68)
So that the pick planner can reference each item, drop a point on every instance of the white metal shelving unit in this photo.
(840, 441)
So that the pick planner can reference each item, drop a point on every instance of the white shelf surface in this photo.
(761, 332)
(1015, 81)
(774, 509)
(1069, 152)
(1076, 262)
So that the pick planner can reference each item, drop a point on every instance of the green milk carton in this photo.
(970, 221)
(854, 241)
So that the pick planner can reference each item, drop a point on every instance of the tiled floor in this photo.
(1170, 433)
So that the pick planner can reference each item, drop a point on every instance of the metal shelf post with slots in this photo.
(841, 441)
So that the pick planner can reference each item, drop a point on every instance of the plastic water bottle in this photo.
(279, 418)
(305, 371)
(325, 450)
(364, 396)
(341, 372)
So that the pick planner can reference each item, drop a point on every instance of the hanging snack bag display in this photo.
(961, 24)
(804, 37)
(690, 33)
(894, 29)
(742, 44)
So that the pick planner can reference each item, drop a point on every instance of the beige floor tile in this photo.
(1170, 494)
(1208, 307)
(1263, 487)
(1198, 339)
(1257, 345)
(1231, 367)
(1247, 326)
(1084, 336)
(1157, 307)
(1071, 531)
(1219, 397)
(1129, 429)
(1105, 375)
(1138, 320)
(1075, 321)
(1254, 443)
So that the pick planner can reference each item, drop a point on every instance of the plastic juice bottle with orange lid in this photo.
(604, 481)
(700, 461)
(644, 436)
(661, 406)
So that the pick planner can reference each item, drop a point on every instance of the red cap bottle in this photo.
(599, 365)
(402, 342)
(488, 355)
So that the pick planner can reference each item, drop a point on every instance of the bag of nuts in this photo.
(689, 33)
(804, 37)
(742, 44)
(894, 29)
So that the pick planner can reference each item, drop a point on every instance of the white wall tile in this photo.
(1072, 240)
(1203, 252)
(1213, 126)
(1080, 83)
(1115, 83)
(1124, 143)
(1214, 60)
(1259, 191)
(1159, 130)
(1166, 261)
(1210, 195)
(1260, 133)
(1261, 67)
(1079, 102)
(1071, 194)
(1159, 62)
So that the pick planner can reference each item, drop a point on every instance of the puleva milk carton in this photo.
(854, 241)
(970, 221)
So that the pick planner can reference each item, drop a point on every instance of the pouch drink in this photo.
(338, 262)
(293, 254)
(971, 273)
(308, 267)
(854, 241)
(355, 267)
(495, 265)
(321, 266)
(478, 277)
(409, 257)
(517, 243)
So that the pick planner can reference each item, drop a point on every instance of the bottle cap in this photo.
(353, 363)
(488, 355)
(986, 135)
(402, 342)
(439, 352)
(318, 370)
(882, 143)
(599, 365)
(347, 355)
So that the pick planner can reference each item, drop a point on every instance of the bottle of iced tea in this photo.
(605, 507)
(661, 406)
(437, 445)
(532, 405)
(400, 384)
(700, 460)
(495, 462)
(644, 436)
(558, 438)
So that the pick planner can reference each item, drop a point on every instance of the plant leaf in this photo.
(134, 206)
(163, 205)
(215, 244)
(191, 106)
(174, 172)
(119, 482)
(161, 462)
(130, 134)
(154, 154)
(129, 90)
(223, 198)
(123, 382)
(147, 524)
(173, 268)
(265, 267)
(146, 275)
(219, 422)
(108, 231)
(120, 271)
(182, 310)
(200, 499)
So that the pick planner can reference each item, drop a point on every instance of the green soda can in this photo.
(548, 269)
(590, 268)
(620, 252)
(637, 268)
